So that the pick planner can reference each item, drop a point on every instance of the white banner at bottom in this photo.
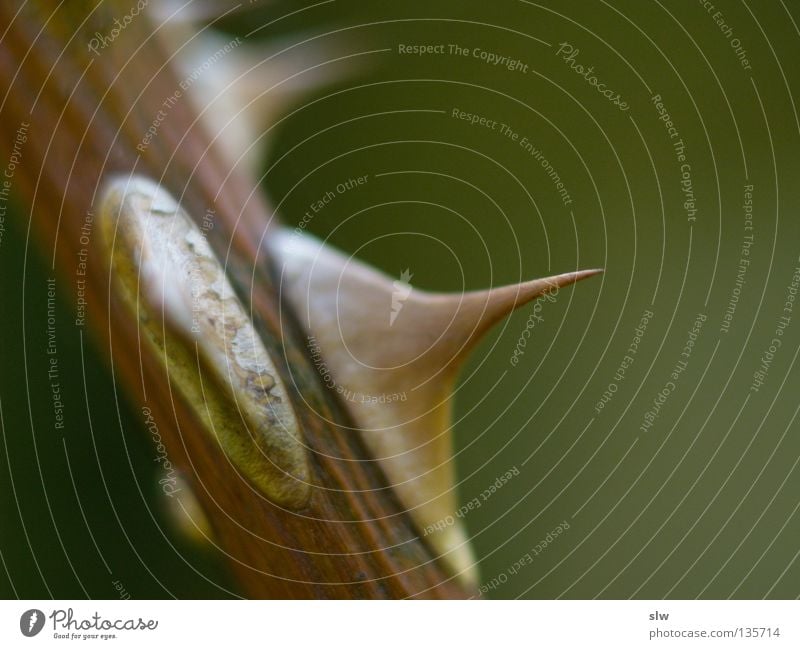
(151, 624)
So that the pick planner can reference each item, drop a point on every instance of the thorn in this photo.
(469, 316)
(396, 374)
(252, 84)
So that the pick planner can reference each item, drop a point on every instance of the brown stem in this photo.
(87, 113)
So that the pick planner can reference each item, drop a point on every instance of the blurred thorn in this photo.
(393, 352)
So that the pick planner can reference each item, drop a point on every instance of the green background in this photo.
(704, 503)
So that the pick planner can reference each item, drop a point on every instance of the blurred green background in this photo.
(702, 503)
